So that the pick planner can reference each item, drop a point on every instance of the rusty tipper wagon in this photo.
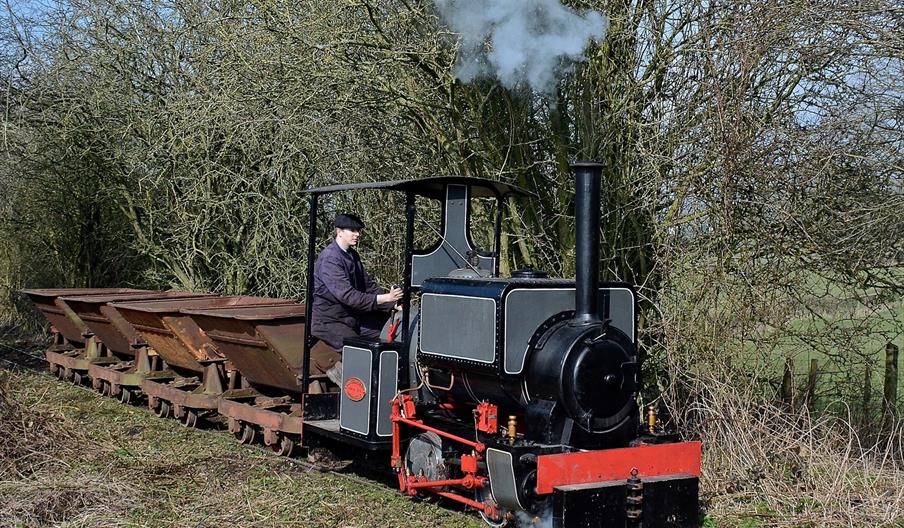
(69, 357)
(266, 345)
(194, 373)
(119, 361)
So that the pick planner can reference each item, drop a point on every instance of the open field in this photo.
(843, 342)
(70, 457)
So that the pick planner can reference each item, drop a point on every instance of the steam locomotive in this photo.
(514, 396)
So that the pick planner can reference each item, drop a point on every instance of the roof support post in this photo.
(309, 295)
(410, 211)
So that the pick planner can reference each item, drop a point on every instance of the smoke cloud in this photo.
(519, 42)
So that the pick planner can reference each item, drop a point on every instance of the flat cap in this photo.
(348, 221)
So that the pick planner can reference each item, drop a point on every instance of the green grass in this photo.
(145, 471)
(842, 343)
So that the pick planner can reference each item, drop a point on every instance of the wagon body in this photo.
(105, 321)
(173, 335)
(265, 343)
(51, 305)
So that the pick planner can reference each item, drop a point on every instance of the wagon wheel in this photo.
(283, 446)
(125, 395)
(105, 388)
(239, 431)
(60, 372)
(249, 434)
(190, 418)
(246, 434)
(163, 408)
(76, 378)
(52, 367)
(67, 374)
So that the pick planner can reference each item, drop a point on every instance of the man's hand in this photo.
(394, 295)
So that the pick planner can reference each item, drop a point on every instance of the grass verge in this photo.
(70, 457)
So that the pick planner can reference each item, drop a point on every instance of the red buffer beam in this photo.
(617, 464)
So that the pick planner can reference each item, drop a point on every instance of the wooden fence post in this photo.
(867, 392)
(811, 384)
(788, 383)
(890, 392)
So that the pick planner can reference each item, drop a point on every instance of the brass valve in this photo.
(651, 418)
(511, 430)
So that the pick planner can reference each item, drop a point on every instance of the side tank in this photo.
(513, 342)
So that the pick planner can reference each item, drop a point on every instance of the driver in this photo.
(347, 302)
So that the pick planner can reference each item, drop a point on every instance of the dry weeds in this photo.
(765, 465)
(90, 461)
(38, 484)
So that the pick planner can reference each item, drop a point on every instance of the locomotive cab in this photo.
(375, 370)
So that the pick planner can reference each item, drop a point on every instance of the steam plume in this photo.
(519, 41)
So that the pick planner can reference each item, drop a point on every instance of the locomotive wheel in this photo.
(481, 495)
(163, 408)
(284, 446)
(190, 418)
(125, 395)
(424, 458)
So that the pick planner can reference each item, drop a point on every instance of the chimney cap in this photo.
(586, 163)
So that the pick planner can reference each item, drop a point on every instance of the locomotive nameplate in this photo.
(355, 390)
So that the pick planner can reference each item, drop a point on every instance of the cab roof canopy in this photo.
(434, 187)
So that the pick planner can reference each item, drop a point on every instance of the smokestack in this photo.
(587, 239)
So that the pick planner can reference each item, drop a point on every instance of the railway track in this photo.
(25, 362)
(15, 358)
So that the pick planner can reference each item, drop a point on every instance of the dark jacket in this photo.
(343, 295)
